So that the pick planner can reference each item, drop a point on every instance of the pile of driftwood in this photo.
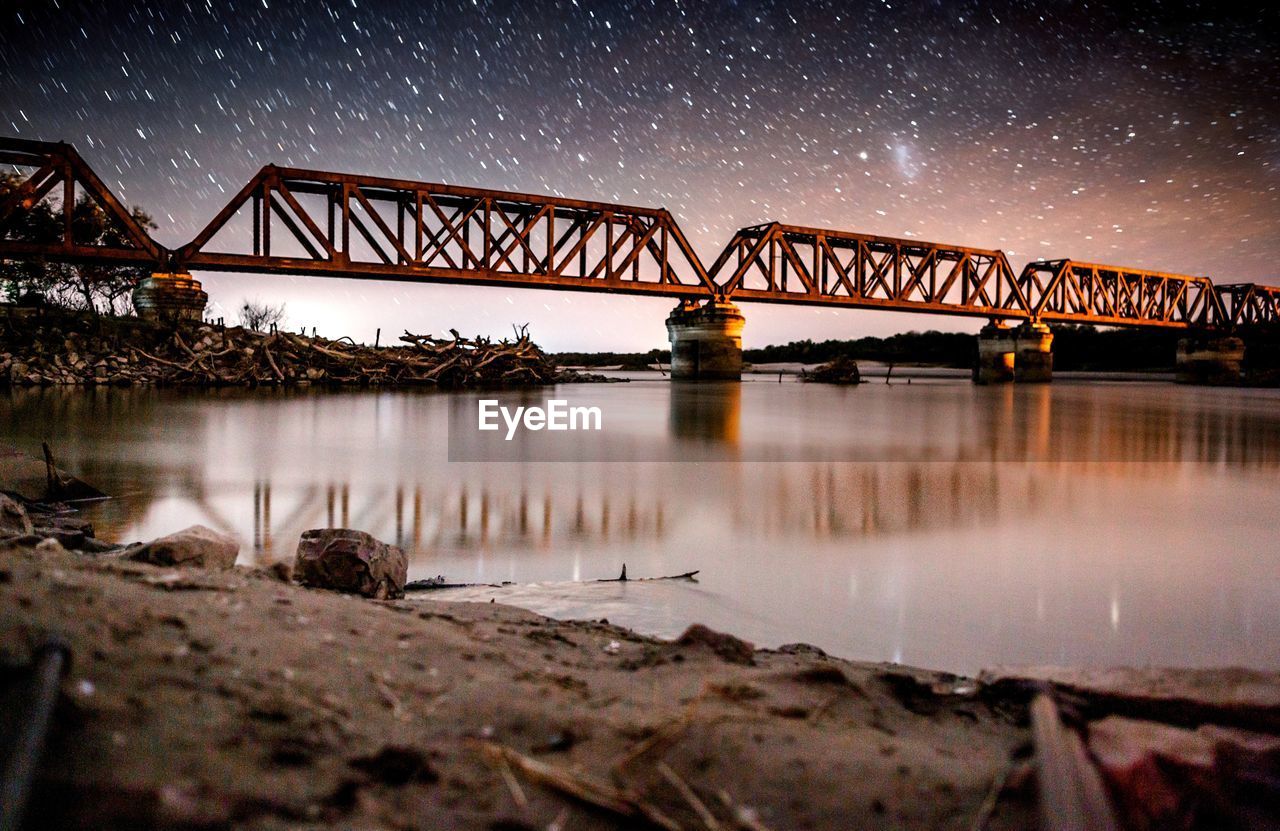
(209, 355)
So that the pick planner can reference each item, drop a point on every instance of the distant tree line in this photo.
(627, 360)
(1090, 348)
(937, 348)
(1074, 348)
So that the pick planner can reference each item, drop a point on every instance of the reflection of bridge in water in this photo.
(1003, 425)
(979, 484)
(251, 465)
(827, 500)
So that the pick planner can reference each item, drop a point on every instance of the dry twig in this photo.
(607, 798)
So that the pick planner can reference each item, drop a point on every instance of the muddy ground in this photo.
(232, 699)
(202, 699)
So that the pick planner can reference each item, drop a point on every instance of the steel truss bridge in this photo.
(295, 221)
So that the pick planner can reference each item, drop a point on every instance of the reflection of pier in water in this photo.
(1002, 424)
(1021, 425)
(822, 500)
(426, 520)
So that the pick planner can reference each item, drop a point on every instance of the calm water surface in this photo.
(937, 523)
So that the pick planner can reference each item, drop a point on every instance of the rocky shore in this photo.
(49, 346)
(204, 695)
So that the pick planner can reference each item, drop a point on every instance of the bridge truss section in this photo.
(1249, 304)
(334, 224)
(1078, 292)
(790, 264)
(53, 176)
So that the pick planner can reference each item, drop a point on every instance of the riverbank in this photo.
(205, 699)
(237, 699)
(51, 346)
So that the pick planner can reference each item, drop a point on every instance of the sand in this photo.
(231, 699)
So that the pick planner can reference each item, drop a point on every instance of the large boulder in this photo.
(195, 546)
(13, 517)
(350, 561)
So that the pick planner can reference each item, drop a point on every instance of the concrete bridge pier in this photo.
(169, 296)
(1212, 360)
(706, 341)
(1034, 359)
(996, 350)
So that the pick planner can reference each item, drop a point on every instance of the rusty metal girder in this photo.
(1077, 292)
(55, 169)
(1249, 304)
(333, 224)
(321, 223)
(789, 264)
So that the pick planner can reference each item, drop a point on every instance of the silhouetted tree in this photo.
(259, 316)
(93, 288)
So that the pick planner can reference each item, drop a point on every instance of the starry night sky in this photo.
(1147, 137)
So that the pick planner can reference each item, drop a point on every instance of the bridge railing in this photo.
(790, 264)
(322, 223)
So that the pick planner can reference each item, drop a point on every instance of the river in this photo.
(933, 523)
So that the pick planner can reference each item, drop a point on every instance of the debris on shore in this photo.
(67, 348)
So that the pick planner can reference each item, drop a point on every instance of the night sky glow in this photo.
(1146, 137)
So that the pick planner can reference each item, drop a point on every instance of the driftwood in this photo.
(440, 582)
(623, 578)
(621, 803)
(75, 350)
(1072, 794)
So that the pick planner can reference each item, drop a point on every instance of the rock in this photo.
(195, 546)
(74, 523)
(350, 561)
(49, 547)
(68, 537)
(19, 542)
(281, 570)
(842, 370)
(1243, 697)
(13, 517)
(94, 546)
(71, 531)
(734, 650)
